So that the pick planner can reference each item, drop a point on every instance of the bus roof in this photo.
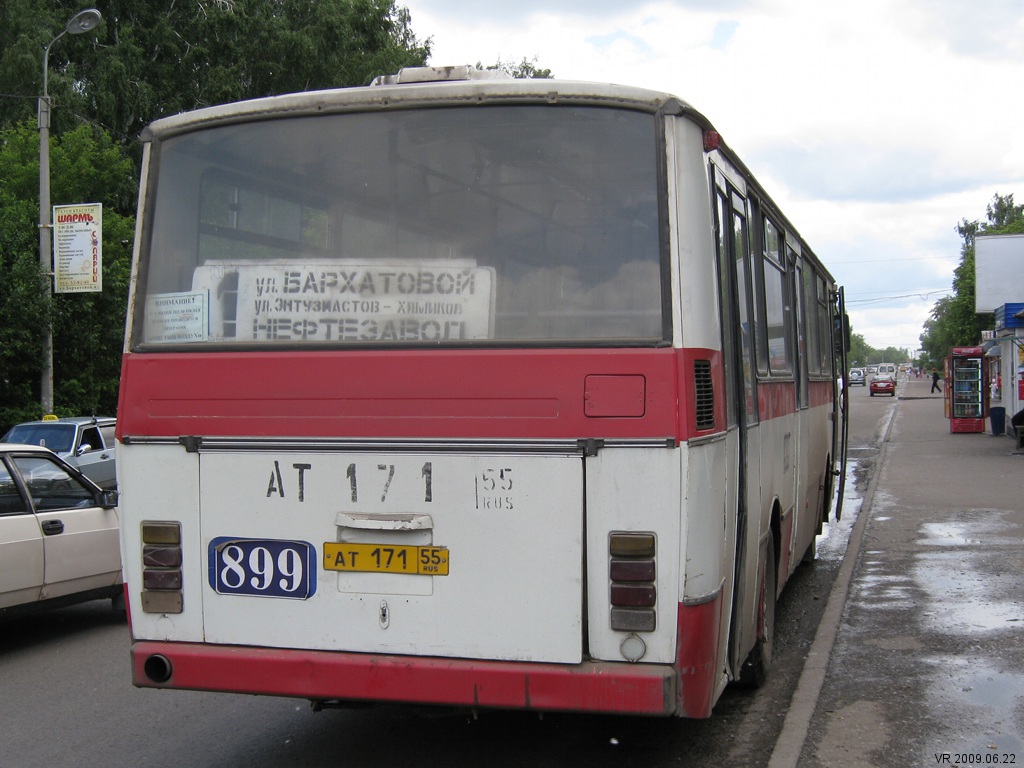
(451, 86)
(428, 86)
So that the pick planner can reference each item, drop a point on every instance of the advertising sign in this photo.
(78, 248)
(998, 263)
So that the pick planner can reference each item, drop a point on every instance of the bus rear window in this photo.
(504, 224)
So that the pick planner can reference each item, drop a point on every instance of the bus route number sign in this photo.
(262, 567)
(386, 558)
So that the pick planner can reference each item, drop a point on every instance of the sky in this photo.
(876, 126)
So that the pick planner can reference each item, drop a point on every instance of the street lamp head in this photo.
(83, 21)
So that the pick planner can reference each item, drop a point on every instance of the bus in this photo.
(468, 391)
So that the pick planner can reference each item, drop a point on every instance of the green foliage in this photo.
(525, 69)
(953, 321)
(86, 166)
(862, 354)
(146, 60)
(23, 313)
(160, 57)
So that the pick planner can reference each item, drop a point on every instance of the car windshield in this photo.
(57, 437)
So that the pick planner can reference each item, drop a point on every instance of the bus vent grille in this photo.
(705, 394)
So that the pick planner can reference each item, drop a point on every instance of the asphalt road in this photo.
(68, 700)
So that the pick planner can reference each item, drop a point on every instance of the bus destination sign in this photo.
(343, 301)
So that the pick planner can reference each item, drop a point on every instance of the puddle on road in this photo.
(965, 593)
(947, 535)
(985, 527)
(993, 688)
(973, 596)
(963, 599)
(835, 534)
(980, 699)
(875, 589)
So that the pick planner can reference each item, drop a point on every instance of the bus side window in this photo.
(776, 301)
(741, 255)
(824, 328)
(800, 337)
(812, 354)
(727, 308)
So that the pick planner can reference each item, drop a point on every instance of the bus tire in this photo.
(755, 669)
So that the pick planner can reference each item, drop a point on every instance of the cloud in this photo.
(617, 40)
(722, 34)
(985, 29)
(876, 128)
(885, 172)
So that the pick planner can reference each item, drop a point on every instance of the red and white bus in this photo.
(467, 391)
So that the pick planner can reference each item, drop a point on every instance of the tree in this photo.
(88, 329)
(953, 321)
(525, 69)
(152, 59)
(146, 60)
(860, 352)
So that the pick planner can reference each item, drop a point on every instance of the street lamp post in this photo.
(83, 21)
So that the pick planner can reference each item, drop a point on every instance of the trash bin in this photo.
(998, 416)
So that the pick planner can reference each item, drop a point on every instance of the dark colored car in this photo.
(85, 442)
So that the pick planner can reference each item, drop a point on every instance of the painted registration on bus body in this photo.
(385, 481)
(343, 300)
(386, 558)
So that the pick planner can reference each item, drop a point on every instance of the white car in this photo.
(59, 533)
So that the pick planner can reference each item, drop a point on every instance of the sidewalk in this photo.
(928, 664)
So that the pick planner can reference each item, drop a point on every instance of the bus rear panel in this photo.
(425, 399)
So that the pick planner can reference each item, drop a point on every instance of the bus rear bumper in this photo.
(609, 687)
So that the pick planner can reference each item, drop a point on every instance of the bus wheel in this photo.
(755, 668)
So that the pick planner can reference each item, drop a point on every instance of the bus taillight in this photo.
(633, 591)
(161, 567)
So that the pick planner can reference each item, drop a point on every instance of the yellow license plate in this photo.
(386, 558)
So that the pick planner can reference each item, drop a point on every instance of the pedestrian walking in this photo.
(935, 382)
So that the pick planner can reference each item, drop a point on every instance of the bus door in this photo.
(743, 491)
(841, 340)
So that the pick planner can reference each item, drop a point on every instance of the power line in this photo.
(923, 295)
(886, 261)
